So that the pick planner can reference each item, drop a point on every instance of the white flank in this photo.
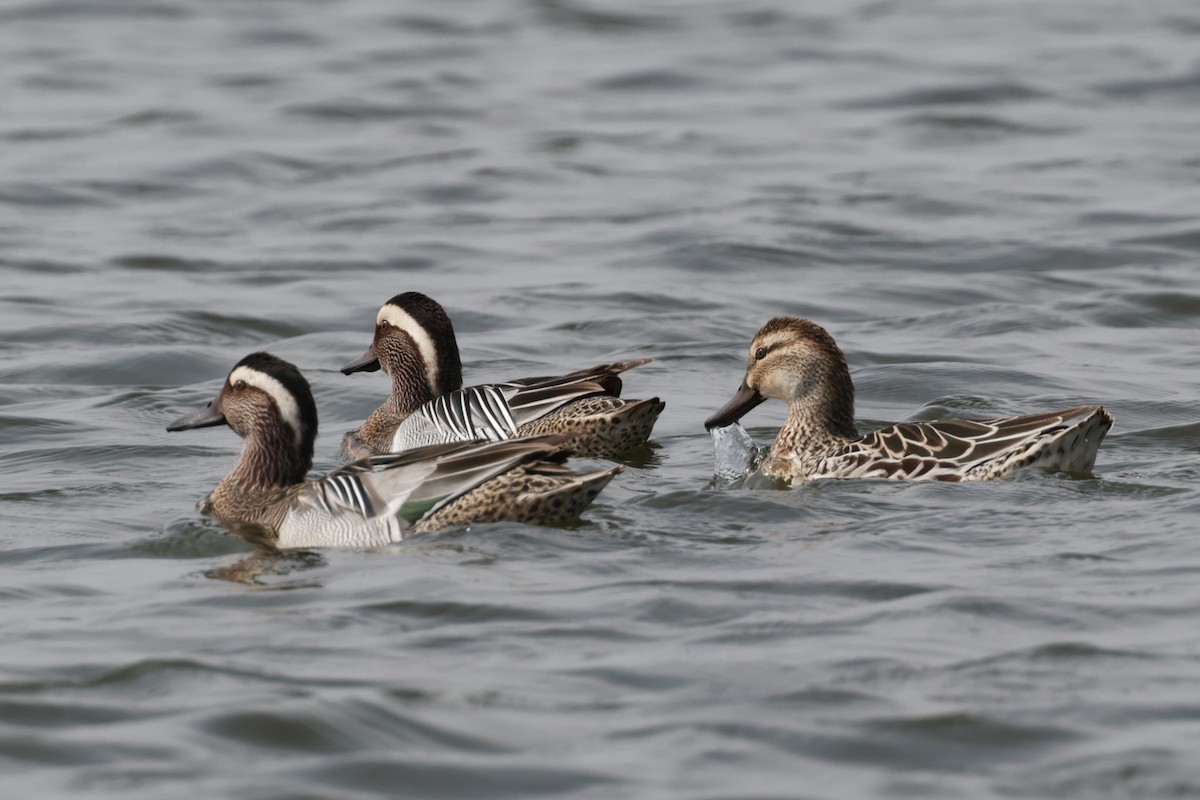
(399, 318)
(289, 410)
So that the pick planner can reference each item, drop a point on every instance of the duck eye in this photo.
(239, 384)
(760, 354)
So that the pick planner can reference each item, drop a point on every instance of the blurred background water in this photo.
(994, 207)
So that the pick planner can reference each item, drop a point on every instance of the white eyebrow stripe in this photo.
(399, 318)
(289, 409)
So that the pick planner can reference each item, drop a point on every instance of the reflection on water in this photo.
(256, 568)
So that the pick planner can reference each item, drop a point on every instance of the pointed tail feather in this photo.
(1068, 447)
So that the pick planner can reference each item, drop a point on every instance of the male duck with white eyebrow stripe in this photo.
(414, 345)
(376, 501)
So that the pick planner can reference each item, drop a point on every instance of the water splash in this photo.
(733, 451)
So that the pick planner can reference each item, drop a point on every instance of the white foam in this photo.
(733, 451)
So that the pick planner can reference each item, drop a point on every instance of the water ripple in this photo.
(990, 206)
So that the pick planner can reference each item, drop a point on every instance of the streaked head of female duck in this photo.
(414, 345)
(269, 404)
(797, 361)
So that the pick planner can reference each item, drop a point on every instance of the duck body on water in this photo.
(797, 361)
(449, 477)
(414, 344)
(378, 500)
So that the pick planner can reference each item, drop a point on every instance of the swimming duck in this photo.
(414, 344)
(795, 360)
(377, 500)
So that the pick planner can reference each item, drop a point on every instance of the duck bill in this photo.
(204, 418)
(737, 407)
(367, 362)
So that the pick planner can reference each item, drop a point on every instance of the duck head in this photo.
(797, 361)
(414, 344)
(269, 404)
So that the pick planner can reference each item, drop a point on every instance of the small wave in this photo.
(66, 10)
(969, 94)
(650, 81)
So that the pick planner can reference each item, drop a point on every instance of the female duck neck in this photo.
(827, 414)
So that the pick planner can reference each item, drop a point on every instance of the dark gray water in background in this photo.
(995, 208)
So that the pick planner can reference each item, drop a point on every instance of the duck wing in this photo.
(530, 399)
(495, 411)
(964, 449)
(376, 500)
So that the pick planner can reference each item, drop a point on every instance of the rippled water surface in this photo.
(994, 207)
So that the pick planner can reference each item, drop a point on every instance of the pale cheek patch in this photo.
(399, 318)
(787, 372)
(772, 385)
(289, 410)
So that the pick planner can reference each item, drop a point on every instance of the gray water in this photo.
(994, 207)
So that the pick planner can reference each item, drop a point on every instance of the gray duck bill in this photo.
(742, 401)
(367, 362)
(204, 418)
